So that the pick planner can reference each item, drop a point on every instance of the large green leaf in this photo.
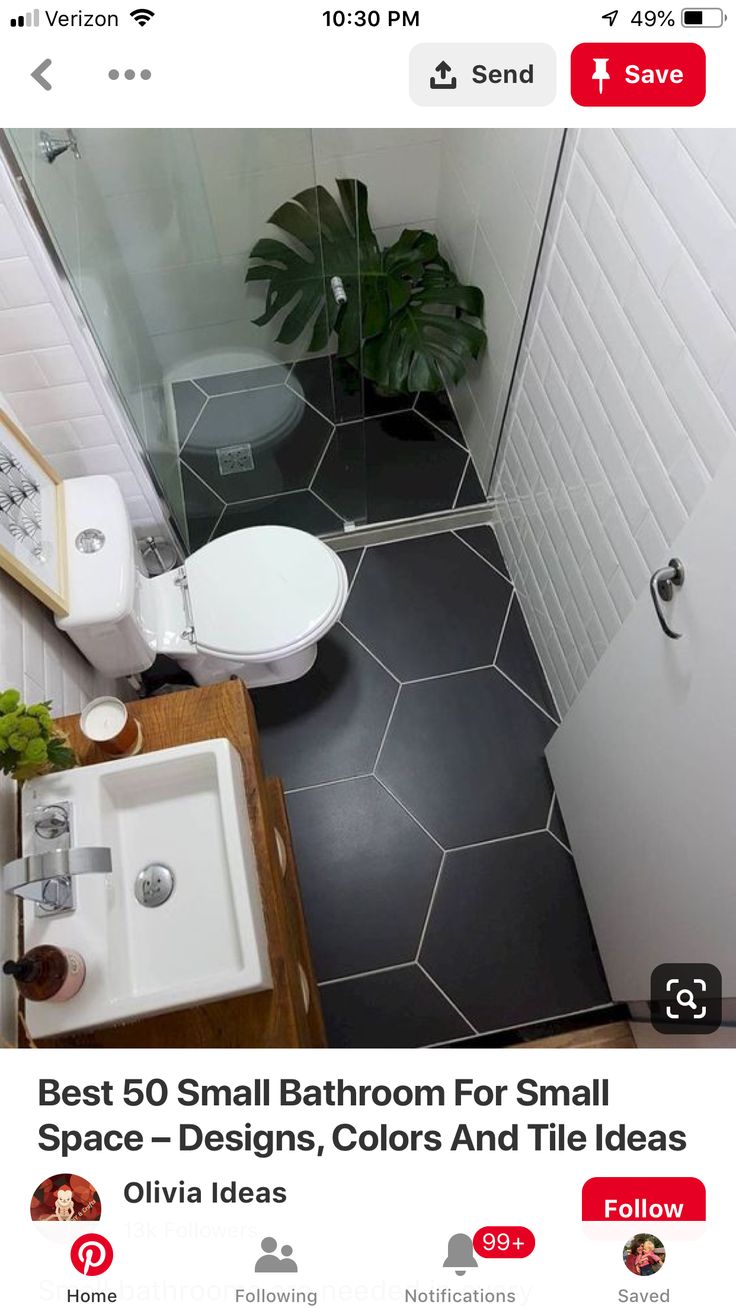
(408, 324)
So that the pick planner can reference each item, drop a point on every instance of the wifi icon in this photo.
(142, 16)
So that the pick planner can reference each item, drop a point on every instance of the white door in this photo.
(645, 768)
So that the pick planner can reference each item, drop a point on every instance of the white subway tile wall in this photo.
(625, 400)
(494, 191)
(50, 374)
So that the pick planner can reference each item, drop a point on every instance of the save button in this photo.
(651, 75)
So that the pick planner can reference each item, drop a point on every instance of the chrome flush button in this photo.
(90, 540)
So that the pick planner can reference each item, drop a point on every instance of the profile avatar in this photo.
(644, 1255)
(65, 1197)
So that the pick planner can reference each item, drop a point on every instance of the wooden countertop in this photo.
(274, 1018)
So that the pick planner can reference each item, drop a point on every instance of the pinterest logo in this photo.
(91, 1255)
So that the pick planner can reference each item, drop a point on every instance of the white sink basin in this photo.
(184, 808)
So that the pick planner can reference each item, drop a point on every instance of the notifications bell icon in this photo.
(460, 1254)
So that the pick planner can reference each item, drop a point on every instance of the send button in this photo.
(515, 76)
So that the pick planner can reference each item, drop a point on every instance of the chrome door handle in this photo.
(661, 588)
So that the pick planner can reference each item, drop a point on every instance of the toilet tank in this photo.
(104, 579)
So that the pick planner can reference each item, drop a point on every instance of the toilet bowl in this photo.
(253, 603)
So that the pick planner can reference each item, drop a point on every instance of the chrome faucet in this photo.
(45, 876)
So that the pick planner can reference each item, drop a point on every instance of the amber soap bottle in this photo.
(48, 973)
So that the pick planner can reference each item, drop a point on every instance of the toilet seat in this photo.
(263, 593)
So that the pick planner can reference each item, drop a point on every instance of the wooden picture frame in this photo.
(32, 522)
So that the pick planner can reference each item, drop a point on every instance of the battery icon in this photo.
(702, 18)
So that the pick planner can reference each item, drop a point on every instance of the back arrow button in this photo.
(38, 74)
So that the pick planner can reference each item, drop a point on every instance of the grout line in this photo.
(320, 785)
(499, 840)
(369, 651)
(356, 976)
(455, 532)
(258, 499)
(460, 483)
(385, 731)
(321, 458)
(371, 417)
(204, 483)
(561, 843)
(511, 682)
(219, 520)
(539, 1021)
(307, 403)
(502, 632)
(451, 1002)
(247, 390)
(325, 505)
(358, 566)
(194, 382)
(430, 906)
(408, 812)
(551, 810)
(196, 420)
(460, 444)
(459, 672)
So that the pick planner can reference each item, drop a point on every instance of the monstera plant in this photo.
(406, 321)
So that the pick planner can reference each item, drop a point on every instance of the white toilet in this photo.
(252, 604)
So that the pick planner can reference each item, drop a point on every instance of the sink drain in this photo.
(153, 885)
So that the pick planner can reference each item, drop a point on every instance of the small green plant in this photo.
(30, 744)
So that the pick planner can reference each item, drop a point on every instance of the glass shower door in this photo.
(156, 230)
(65, 184)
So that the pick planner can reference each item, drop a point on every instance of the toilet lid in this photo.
(263, 592)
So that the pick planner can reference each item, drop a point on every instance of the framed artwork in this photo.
(32, 529)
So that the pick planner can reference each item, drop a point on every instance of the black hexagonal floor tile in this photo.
(465, 754)
(400, 1009)
(428, 606)
(509, 939)
(299, 509)
(276, 432)
(367, 873)
(390, 467)
(329, 724)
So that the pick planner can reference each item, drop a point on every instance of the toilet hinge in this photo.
(181, 581)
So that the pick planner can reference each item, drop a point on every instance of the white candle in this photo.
(103, 718)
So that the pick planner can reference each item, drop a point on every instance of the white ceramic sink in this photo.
(184, 808)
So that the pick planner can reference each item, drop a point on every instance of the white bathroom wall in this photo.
(41, 663)
(494, 189)
(625, 402)
(50, 369)
(185, 207)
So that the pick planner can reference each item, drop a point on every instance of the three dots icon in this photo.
(129, 74)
